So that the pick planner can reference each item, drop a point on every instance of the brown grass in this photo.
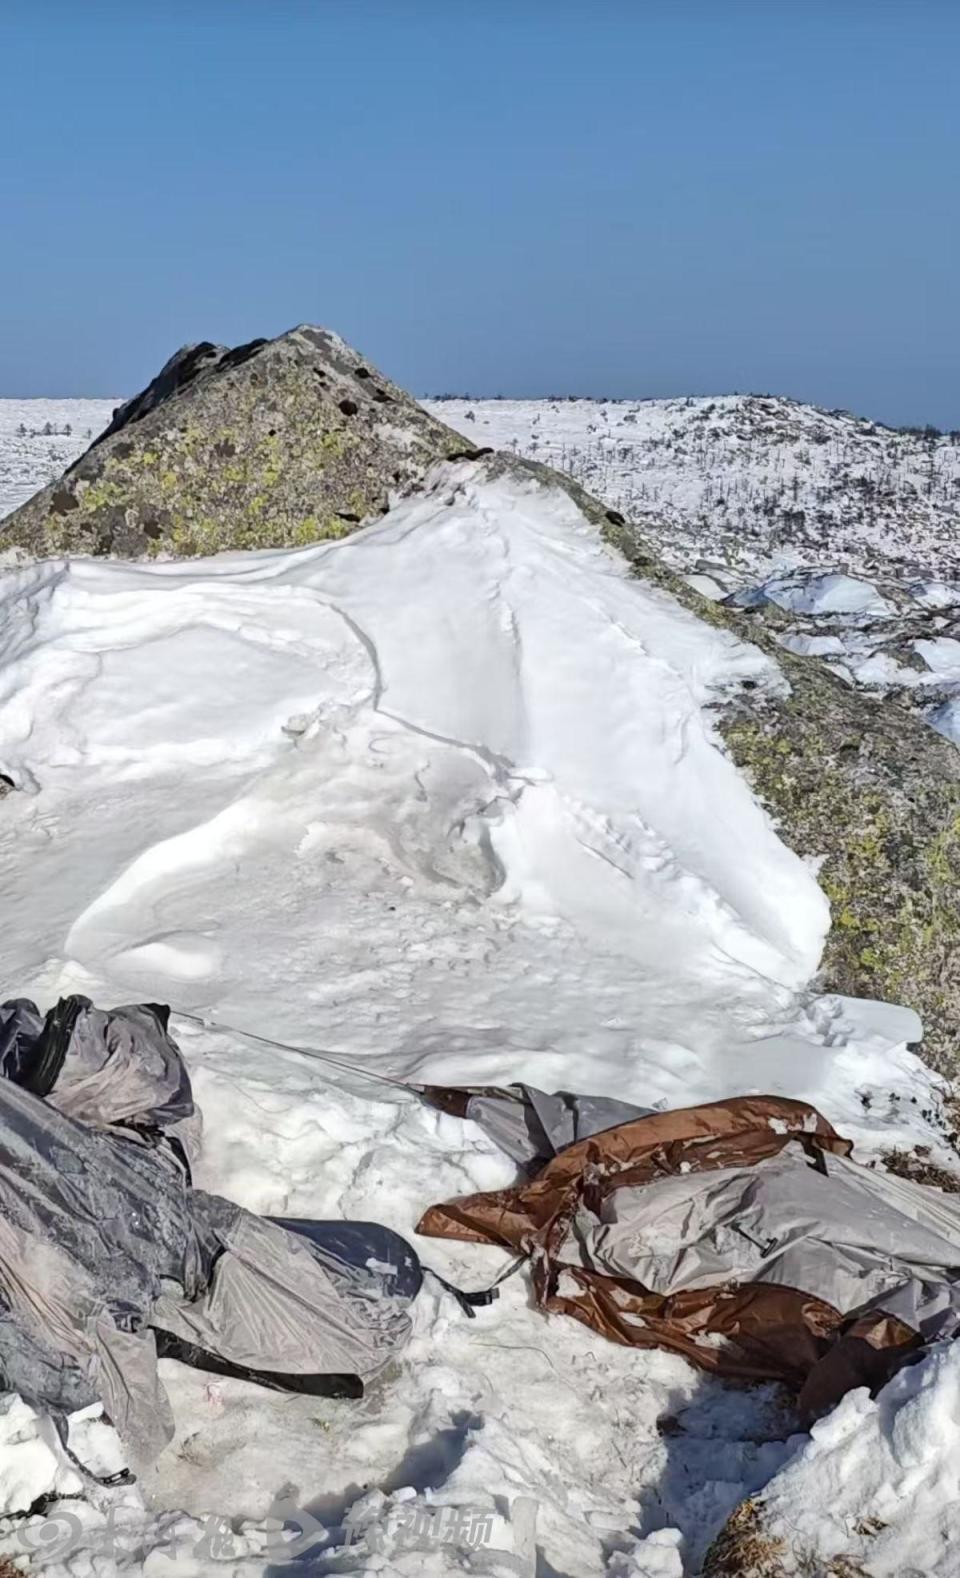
(871, 1526)
(914, 1165)
(742, 1549)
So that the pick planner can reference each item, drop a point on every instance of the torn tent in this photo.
(107, 1252)
(740, 1234)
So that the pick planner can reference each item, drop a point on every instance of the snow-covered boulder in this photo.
(946, 719)
(936, 594)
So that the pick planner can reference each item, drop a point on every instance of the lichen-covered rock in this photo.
(874, 793)
(275, 443)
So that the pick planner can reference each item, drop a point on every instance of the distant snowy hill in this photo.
(849, 528)
(747, 483)
(40, 438)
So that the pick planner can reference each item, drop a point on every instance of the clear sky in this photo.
(490, 196)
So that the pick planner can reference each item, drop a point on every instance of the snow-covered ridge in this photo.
(750, 484)
(446, 799)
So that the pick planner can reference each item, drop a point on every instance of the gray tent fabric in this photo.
(21, 1031)
(848, 1235)
(104, 1243)
(531, 1125)
(335, 1318)
(90, 1225)
(123, 1068)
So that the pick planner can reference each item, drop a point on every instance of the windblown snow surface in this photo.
(444, 801)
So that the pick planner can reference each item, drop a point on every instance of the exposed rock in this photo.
(275, 443)
(873, 791)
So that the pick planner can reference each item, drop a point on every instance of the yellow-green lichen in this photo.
(890, 860)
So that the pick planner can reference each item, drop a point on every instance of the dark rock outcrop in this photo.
(275, 443)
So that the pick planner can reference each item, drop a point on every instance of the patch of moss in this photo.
(358, 503)
(333, 444)
(219, 490)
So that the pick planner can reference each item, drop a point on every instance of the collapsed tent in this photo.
(110, 1258)
(740, 1234)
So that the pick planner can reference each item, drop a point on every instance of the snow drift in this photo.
(471, 709)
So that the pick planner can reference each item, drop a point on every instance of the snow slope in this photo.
(443, 800)
(746, 483)
(851, 527)
(40, 438)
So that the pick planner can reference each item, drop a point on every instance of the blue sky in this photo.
(490, 196)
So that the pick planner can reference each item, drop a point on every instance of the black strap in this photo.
(470, 1302)
(310, 1385)
(123, 1476)
(818, 1160)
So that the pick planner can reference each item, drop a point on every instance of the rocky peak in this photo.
(269, 444)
